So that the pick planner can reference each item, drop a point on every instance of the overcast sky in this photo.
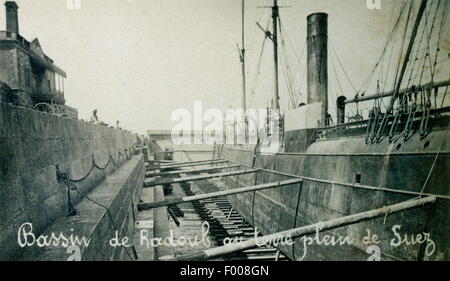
(138, 60)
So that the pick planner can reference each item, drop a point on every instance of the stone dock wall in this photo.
(33, 146)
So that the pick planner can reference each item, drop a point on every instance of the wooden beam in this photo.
(155, 174)
(166, 167)
(190, 164)
(196, 178)
(306, 230)
(146, 206)
(173, 151)
(162, 161)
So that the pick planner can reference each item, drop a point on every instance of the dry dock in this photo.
(197, 225)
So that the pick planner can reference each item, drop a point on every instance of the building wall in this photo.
(23, 66)
(18, 73)
(14, 64)
(8, 61)
(32, 143)
(120, 194)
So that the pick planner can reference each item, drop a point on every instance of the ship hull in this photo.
(335, 172)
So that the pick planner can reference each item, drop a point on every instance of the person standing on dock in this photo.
(94, 117)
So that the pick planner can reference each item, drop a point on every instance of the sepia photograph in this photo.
(241, 135)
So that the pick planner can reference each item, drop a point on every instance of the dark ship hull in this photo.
(349, 168)
(343, 175)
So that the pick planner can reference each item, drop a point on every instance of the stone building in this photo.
(31, 76)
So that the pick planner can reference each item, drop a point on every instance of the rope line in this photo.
(295, 217)
(71, 186)
(95, 165)
(432, 166)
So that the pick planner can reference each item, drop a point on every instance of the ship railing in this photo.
(362, 124)
(414, 103)
(324, 131)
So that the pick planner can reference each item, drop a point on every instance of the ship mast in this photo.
(273, 36)
(275, 16)
(242, 58)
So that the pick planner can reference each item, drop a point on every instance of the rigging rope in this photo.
(337, 82)
(71, 186)
(300, 185)
(292, 90)
(283, 30)
(388, 41)
(413, 69)
(342, 66)
(427, 49)
(444, 16)
(396, 86)
(255, 80)
(434, 163)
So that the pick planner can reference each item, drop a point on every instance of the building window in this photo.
(49, 86)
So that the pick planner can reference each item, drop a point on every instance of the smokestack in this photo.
(317, 62)
(340, 105)
(12, 19)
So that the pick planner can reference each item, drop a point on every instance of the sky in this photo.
(137, 61)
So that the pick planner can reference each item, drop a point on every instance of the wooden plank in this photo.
(308, 229)
(150, 205)
(196, 178)
(161, 161)
(190, 171)
(179, 150)
(162, 167)
(189, 162)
